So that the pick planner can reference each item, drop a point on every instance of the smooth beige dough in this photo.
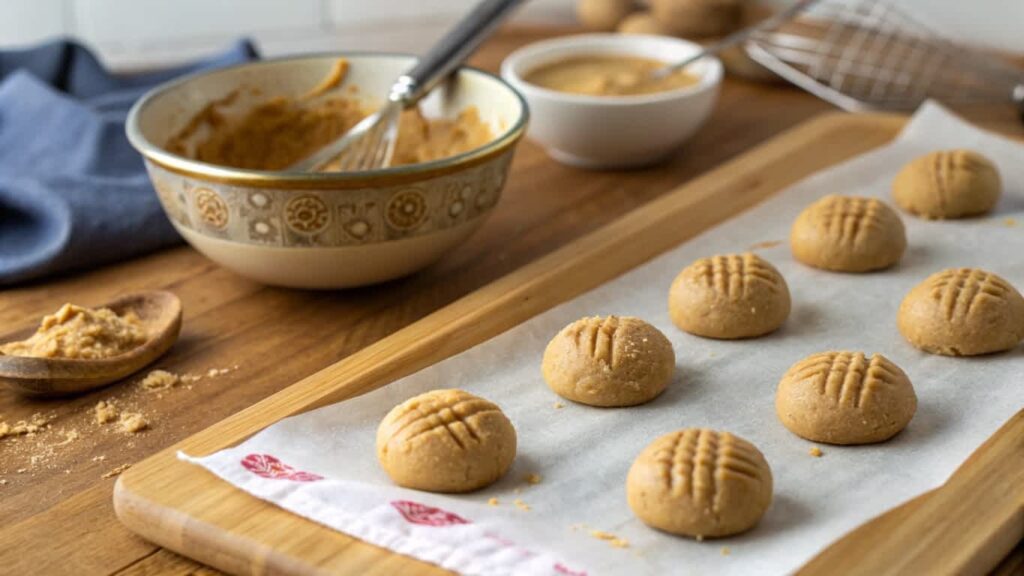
(700, 483)
(848, 234)
(962, 312)
(446, 441)
(845, 398)
(609, 361)
(948, 184)
(729, 296)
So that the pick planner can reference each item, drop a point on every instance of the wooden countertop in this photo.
(55, 499)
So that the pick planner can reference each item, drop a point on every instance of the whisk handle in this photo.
(451, 51)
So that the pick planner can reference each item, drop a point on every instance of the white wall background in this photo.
(142, 33)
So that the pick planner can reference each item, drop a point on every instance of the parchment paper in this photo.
(583, 453)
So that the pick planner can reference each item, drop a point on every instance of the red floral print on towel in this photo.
(416, 513)
(561, 569)
(268, 466)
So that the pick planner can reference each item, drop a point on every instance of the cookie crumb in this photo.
(159, 380)
(105, 412)
(700, 537)
(533, 478)
(610, 538)
(765, 244)
(492, 502)
(133, 422)
(815, 451)
(37, 423)
(558, 405)
(726, 551)
(521, 505)
(1010, 222)
(116, 471)
(69, 437)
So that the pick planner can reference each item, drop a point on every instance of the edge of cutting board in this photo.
(188, 510)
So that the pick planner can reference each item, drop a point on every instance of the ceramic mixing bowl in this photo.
(326, 230)
(614, 131)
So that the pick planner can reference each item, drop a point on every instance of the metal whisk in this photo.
(868, 55)
(370, 144)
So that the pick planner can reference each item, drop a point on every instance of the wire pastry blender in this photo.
(866, 55)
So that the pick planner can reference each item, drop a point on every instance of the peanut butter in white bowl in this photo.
(594, 104)
(608, 75)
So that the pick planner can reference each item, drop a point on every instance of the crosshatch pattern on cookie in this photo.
(456, 416)
(947, 164)
(848, 221)
(735, 275)
(596, 337)
(700, 464)
(962, 291)
(847, 378)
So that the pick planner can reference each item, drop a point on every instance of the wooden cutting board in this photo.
(184, 508)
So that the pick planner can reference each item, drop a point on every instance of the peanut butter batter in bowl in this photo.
(595, 104)
(277, 132)
(216, 145)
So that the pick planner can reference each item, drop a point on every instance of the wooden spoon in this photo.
(160, 313)
(965, 526)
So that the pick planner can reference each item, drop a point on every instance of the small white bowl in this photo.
(613, 131)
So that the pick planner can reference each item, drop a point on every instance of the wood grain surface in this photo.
(972, 524)
(57, 508)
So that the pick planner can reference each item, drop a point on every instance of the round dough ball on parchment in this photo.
(700, 483)
(848, 234)
(603, 14)
(962, 312)
(446, 441)
(948, 184)
(729, 296)
(845, 398)
(609, 362)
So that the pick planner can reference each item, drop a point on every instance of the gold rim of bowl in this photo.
(317, 180)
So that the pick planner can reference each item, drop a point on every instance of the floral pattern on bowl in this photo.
(324, 217)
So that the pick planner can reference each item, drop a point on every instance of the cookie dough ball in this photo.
(446, 441)
(643, 23)
(845, 398)
(848, 234)
(613, 361)
(698, 18)
(731, 296)
(948, 184)
(603, 14)
(962, 312)
(735, 58)
(700, 483)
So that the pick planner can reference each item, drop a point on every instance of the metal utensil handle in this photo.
(451, 51)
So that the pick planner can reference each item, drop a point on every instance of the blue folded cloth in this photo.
(73, 192)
